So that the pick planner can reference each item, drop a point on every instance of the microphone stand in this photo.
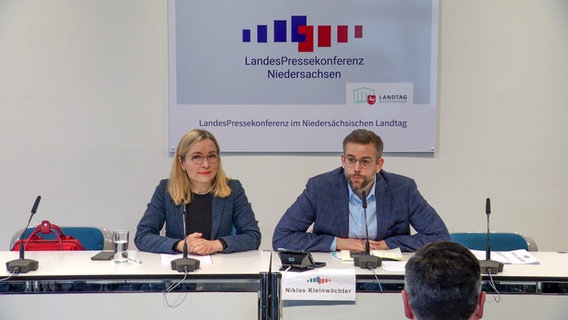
(489, 266)
(185, 264)
(23, 265)
(366, 261)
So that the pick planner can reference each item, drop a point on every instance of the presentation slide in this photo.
(297, 76)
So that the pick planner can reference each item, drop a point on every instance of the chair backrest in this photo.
(91, 238)
(500, 241)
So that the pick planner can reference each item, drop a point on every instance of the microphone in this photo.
(364, 206)
(489, 266)
(185, 264)
(23, 265)
(366, 261)
(488, 212)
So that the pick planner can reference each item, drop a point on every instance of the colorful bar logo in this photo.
(319, 280)
(303, 34)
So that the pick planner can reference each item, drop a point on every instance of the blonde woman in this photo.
(219, 216)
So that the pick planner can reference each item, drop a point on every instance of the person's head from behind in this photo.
(443, 281)
(361, 159)
(196, 167)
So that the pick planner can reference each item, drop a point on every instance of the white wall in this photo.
(83, 119)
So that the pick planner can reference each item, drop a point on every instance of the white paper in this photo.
(394, 266)
(520, 256)
(391, 254)
(166, 259)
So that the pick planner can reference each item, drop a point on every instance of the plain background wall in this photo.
(83, 122)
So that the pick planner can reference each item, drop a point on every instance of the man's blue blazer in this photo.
(324, 203)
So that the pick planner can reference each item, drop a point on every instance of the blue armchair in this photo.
(500, 241)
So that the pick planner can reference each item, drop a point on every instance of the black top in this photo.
(200, 215)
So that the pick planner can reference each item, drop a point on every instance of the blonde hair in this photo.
(179, 185)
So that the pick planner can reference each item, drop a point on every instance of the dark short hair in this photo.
(363, 136)
(443, 281)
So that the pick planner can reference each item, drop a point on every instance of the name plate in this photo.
(319, 284)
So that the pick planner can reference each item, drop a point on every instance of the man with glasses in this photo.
(332, 203)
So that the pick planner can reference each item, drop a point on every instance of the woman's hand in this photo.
(197, 245)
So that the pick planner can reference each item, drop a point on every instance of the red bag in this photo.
(61, 242)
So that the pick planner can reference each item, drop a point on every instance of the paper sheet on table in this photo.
(394, 266)
(391, 254)
(166, 259)
(520, 256)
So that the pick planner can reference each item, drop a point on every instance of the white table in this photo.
(526, 292)
(244, 286)
(68, 284)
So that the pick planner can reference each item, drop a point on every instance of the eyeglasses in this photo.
(198, 159)
(365, 163)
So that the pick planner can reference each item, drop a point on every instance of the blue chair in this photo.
(500, 241)
(91, 238)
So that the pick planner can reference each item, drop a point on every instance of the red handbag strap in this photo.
(46, 228)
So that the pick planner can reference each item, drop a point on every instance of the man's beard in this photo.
(362, 184)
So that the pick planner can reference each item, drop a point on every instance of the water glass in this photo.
(120, 241)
